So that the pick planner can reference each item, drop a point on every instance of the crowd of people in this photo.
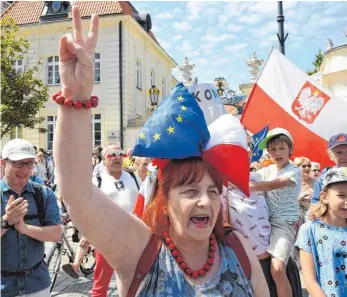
(171, 226)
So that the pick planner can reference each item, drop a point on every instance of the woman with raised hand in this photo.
(184, 230)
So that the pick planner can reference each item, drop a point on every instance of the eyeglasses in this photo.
(306, 166)
(316, 170)
(20, 164)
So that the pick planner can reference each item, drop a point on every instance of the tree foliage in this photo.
(22, 94)
(316, 63)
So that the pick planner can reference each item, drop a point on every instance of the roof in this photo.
(336, 48)
(29, 12)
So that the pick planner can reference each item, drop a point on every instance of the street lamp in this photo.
(220, 83)
(153, 96)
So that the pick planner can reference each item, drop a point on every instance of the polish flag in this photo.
(229, 142)
(286, 97)
(143, 197)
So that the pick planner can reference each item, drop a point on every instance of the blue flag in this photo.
(176, 130)
(257, 138)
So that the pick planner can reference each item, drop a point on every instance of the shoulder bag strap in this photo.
(234, 242)
(147, 259)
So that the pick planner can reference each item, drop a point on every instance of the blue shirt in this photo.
(20, 252)
(166, 278)
(318, 186)
(37, 179)
(328, 246)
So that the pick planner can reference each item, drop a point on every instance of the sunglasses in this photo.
(306, 166)
(316, 170)
(117, 153)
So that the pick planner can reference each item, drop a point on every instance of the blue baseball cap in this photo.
(337, 139)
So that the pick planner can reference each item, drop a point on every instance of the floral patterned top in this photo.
(328, 246)
(166, 279)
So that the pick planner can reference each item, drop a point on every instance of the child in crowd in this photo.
(281, 184)
(250, 216)
(323, 239)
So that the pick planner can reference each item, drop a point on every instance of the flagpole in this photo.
(280, 34)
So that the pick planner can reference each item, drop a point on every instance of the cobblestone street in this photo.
(66, 286)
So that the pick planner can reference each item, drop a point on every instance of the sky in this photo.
(219, 36)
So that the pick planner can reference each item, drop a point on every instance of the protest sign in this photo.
(210, 102)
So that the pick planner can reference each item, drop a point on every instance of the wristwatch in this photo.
(4, 224)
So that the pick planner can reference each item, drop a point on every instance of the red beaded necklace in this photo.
(179, 259)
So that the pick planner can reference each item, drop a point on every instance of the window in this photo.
(16, 132)
(138, 74)
(51, 124)
(163, 88)
(152, 78)
(96, 129)
(97, 67)
(18, 66)
(53, 77)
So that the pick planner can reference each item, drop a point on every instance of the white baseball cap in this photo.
(18, 149)
(273, 133)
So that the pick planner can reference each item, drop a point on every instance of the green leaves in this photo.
(23, 94)
(317, 62)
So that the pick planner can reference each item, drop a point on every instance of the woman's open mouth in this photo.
(200, 221)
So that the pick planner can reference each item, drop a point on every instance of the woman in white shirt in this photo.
(41, 167)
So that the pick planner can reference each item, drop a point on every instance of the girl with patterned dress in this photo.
(323, 239)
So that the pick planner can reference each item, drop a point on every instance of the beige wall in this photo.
(137, 44)
(334, 71)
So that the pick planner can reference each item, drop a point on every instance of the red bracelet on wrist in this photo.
(68, 102)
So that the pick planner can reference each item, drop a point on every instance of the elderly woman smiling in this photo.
(184, 219)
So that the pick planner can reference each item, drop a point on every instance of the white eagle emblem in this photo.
(309, 102)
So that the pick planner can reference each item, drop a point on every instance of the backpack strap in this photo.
(41, 210)
(135, 179)
(147, 259)
(99, 179)
(234, 242)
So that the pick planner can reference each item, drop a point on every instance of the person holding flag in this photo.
(183, 225)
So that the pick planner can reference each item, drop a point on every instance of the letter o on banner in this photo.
(209, 101)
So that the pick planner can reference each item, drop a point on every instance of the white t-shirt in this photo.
(283, 203)
(250, 216)
(123, 191)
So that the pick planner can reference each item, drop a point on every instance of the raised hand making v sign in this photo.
(99, 219)
(76, 58)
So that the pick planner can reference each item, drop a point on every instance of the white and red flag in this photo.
(286, 97)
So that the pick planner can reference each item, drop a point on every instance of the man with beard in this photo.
(122, 187)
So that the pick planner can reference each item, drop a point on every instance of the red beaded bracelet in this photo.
(67, 102)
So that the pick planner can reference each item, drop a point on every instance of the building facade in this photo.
(127, 52)
(333, 71)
